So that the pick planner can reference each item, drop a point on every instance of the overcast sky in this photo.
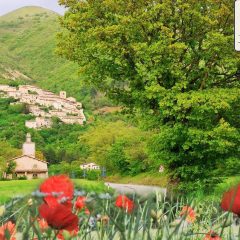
(10, 5)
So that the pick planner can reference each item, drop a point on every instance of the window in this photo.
(35, 175)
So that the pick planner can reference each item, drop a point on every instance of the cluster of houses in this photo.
(30, 167)
(44, 105)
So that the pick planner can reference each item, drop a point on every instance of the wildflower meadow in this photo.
(58, 211)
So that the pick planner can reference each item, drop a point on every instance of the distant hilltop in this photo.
(44, 105)
(28, 10)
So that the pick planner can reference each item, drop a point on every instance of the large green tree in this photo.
(172, 59)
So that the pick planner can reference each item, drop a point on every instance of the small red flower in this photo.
(9, 228)
(80, 203)
(43, 225)
(231, 200)
(189, 213)
(125, 203)
(87, 212)
(59, 217)
(212, 236)
(60, 190)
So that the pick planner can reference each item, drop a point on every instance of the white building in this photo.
(39, 122)
(90, 166)
(63, 94)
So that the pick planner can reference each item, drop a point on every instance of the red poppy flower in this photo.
(87, 212)
(212, 236)
(80, 203)
(60, 189)
(124, 203)
(9, 228)
(231, 200)
(189, 213)
(59, 217)
(43, 225)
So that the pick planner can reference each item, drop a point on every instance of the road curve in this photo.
(141, 190)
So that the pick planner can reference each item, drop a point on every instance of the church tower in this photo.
(29, 146)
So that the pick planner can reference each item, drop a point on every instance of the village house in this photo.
(72, 120)
(90, 166)
(57, 113)
(38, 123)
(28, 165)
(71, 99)
(6, 88)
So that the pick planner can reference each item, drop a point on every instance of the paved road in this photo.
(142, 190)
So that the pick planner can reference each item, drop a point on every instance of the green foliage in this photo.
(118, 159)
(173, 62)
(110, 142)
(105, 142)
(11, 165)
(74, 171)
(12, 121)
(93, 175)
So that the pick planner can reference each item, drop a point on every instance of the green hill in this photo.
(26, 11)
(27, 49)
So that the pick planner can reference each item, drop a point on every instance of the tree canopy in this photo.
(174, 61)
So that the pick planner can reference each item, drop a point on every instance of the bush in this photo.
(93, 175)
(22, 178)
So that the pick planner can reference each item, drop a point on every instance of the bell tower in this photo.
(29, 146)
(63, 94)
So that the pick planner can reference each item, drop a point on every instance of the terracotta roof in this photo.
(29, 157)
(32, 171)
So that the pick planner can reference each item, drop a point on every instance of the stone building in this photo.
(28, 165)
(63, 94)
(38, 123)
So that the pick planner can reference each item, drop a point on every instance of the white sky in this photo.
(10, 5)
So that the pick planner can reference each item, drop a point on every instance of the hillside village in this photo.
(44, 105)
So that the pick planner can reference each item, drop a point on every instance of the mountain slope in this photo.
(27, 45)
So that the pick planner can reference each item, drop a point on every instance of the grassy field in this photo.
(10, 189)
(153, 179)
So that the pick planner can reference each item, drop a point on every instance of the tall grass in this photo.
(155, 218)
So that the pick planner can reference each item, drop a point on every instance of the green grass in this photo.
(217, 192)
(226, 184)
(14, 188)
(153, 179)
